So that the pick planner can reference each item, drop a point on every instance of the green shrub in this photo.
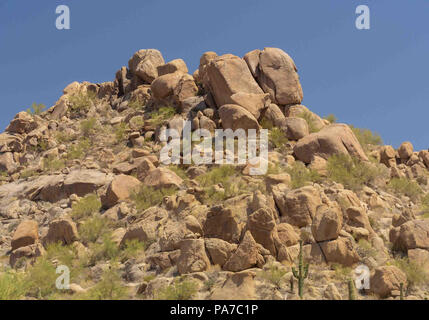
(79, 150)
(85, 207)
(266, 124)
(425, 206)
(277, 137)
(273, 275)
(88, 126)
(365, 249)
(12, 285)
(63, 137)
(41, 278)
(301, 175)
(180, 289)
(309, 117)
(120, 132)
(404, 186)
(416, 274)
(52, 163)
(93, 228)
(82, 101)
(133, 248)
(366, 137)
(216, 175)
(159, 116)
(147, 197)
(179, 171)
(352, 173)
(331, 118)
(136, 104)
(28, 173)
(110, 287)
(36, 109)
(106, 250)
(342, 273)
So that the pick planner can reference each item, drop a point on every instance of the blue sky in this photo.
(376, 79)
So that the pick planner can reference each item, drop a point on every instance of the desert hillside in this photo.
(82, 185)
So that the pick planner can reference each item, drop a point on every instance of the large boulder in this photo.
(27, 233)
(411, 235)
(405, 151)
(163, 178)
(193, 257)
(237, 286)
(219, 250)
(62, 230)
(82, 182)
(235, 117)
(387, 279)
(262, 226)
(164, 85)
(300, 111)
(388, 156)
(7, 163)
(326, 224)
(120, 189)
(340, 251)
(22, 123)
(296, 128)
(333, 139)
(277, 75)
(227, 75)
(246, 256)
(177, 65)
(144, 64)
(223, 224)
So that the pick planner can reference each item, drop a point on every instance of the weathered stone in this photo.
(387, 279)
(246, 256)
(27, 233)
(193, 257)
(120, 189)
(235, 117)
(326, 224)
(61, 230)
(145, 64)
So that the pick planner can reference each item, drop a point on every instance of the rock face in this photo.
(246, 256)
(26, 234)
(120, 189)
(405, 151)
(387, 279)
(235, 117)
(326, 224)
(223, 224)
(334, 139)
(193, 257)
(277, 75)
(144, 64)
(163, 178)
(411, 235)
(340, 251)
(22, 123)
(296, 128)
(61, 230)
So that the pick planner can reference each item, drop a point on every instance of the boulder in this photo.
(222, 223)
(387, 156)
(235, 117)
(246, 256)
(22, 123)
(411, 235)
(296, 128)
(287, 234)
(387, 279)
(27, 233)
(83, 182)
(300, 111)
(177, 65)
(7, 163)
(326, 224)
(277, 75)
(252, 102)
(144, 64)
(120, 189)
(333, 139)
(62, 230)
(163, 178)
(219, 250)
(237, 286)
(193, 257)
(31, 252)
(275, 116)
(340, 251)
(164, 85)
(262, 226)
(405, 151)
(186, 88)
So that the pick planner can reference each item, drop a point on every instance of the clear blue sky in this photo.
(376, 79)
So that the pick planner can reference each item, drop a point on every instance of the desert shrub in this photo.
(164, 113)
(416, 274)
(179, 171)
(79, 150)
(28, 173)
(12, 285)
(274, 275)
(351, 172)
(133, 248)
(109, 287)
(365, 249)
(52, 163)
(404, 186)
(36, 108)
(88, 126)
(342, 273)
(136, 104)
(147, 197)
(120, 132)
(216, 175)
(82, 101)
(106, 250)
(41, 278)
(366, 137)
(301, 175)
(63, 137)
(86, 206)
(277, 137)
(266, 124)
(331, 118)
(93, 228)
(180, 289)
(308, 116)
(425, 206)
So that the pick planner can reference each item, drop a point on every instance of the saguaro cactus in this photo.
(401, 291)
(352, 290)
(302, 272)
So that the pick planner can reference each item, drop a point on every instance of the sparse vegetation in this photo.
(36, 109)
(12, 285)
(52, 163)
(147, 197)
(93, 228)
(86, 206)
(79, 150)
(404, 186)
(82, 100)
(88, 127)
(109, 288)
(301, 175)
(309, 117)
(366, 137)
(120, 132)
(416, 274)
(180, 289)
(277, 137)
(274, 275)
(331, 118)
(159, 116)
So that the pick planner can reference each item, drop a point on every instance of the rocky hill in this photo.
(82, 186)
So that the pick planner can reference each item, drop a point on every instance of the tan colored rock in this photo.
(223, 224)
(420, 257)
(186, 88)
(387, 279)
(296, 128)
(164, 85)
(262, 226)
(7, 163)
(387, 156)
(163, 178)
(83, 182)
(120, 189)
(31, 252)
(252, 102)
(287, 234)
(238, 286)
(331, 292)
(177, 65)
(333, 139)
(22, 123)
(405, 151)
(275, 116)
(145, 63)
(411, 235)
(62, 230)
(319, 165)
(235, 117)
(326, 224)
(299, 111)
(298, 207)
(276, 74)
(193, 257)
(340, 251)
(246, 256)
(358, 218)
(219, 250)
(27, 233)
